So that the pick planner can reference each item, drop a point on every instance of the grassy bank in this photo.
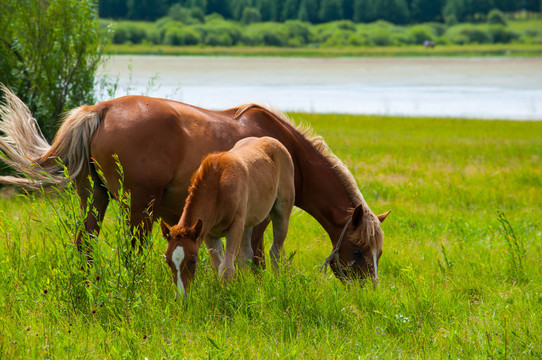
(460, 273)
(413, 50)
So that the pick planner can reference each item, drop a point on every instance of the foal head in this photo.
(361, 246)
(182, 253)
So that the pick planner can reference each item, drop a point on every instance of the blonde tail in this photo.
(24, 148)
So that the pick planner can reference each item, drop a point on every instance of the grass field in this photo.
(460, 276)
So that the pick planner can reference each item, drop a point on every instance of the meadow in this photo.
(460, 276)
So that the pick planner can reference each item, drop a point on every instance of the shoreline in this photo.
(491, 50)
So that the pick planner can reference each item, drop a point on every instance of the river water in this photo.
(484, 88)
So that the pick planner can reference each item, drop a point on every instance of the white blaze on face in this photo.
(177, 257)
(375, 264)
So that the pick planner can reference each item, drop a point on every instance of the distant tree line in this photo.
(319, 11)
(185, 27)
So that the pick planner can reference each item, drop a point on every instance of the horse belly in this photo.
(148, 148)
(263, 194)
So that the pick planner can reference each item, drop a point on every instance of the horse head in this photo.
(182, 253)
(359, 248)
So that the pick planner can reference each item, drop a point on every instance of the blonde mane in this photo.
(373, 235)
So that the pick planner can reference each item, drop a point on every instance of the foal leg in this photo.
(215, 249)
(245, 252)
(226, 270)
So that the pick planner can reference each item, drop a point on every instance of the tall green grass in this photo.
(459, 278)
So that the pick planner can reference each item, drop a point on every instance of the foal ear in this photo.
(357, 215)
(196, 229)
(383, 216)
(166, 229)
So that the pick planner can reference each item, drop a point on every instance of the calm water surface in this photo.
(496, 88)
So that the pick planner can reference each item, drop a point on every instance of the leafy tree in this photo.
(507, 5)
(348, 9)
(496, 17)
(268, 9)
(237, 7)
(425, 10)
(146, 9)
(395, 11)
(251, 15)
(290, 10)
(50, 53)
(220, 7)
(363, 11)
(115, 9)
(482, 7)
(331, 10)
(308, 11)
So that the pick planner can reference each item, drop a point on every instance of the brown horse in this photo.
(160, 143)
(232, 192)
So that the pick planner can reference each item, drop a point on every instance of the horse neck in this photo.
(324, 189)
(196, 207)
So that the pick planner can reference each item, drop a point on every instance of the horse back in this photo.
(270, 175)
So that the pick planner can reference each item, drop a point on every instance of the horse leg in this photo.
(245, 252)
(95, 196)
(143, 210)
(215, 249)
(226, 270)
(280, 216)
(258, 243)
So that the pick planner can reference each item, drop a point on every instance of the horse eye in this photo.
(357, 253)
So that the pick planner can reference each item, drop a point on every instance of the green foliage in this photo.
(181, 35)
(496, 17)
(186, 15)
(469, 33)
(330, 10)
(220, 33)
(131, 32)
(395, 11)
(216, 31)
(251, 15)
(300, 31)
(503, 35)
(447, 285)
(317, 11)
(420, 33)
(363, 11)
(50, 53)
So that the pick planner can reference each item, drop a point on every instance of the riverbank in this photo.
(476, 50)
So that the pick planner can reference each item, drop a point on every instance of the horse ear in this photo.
(383, 216)
(357, 215)
(196, 229)
(166, 229)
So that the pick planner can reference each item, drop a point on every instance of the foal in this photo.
(230, 193)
